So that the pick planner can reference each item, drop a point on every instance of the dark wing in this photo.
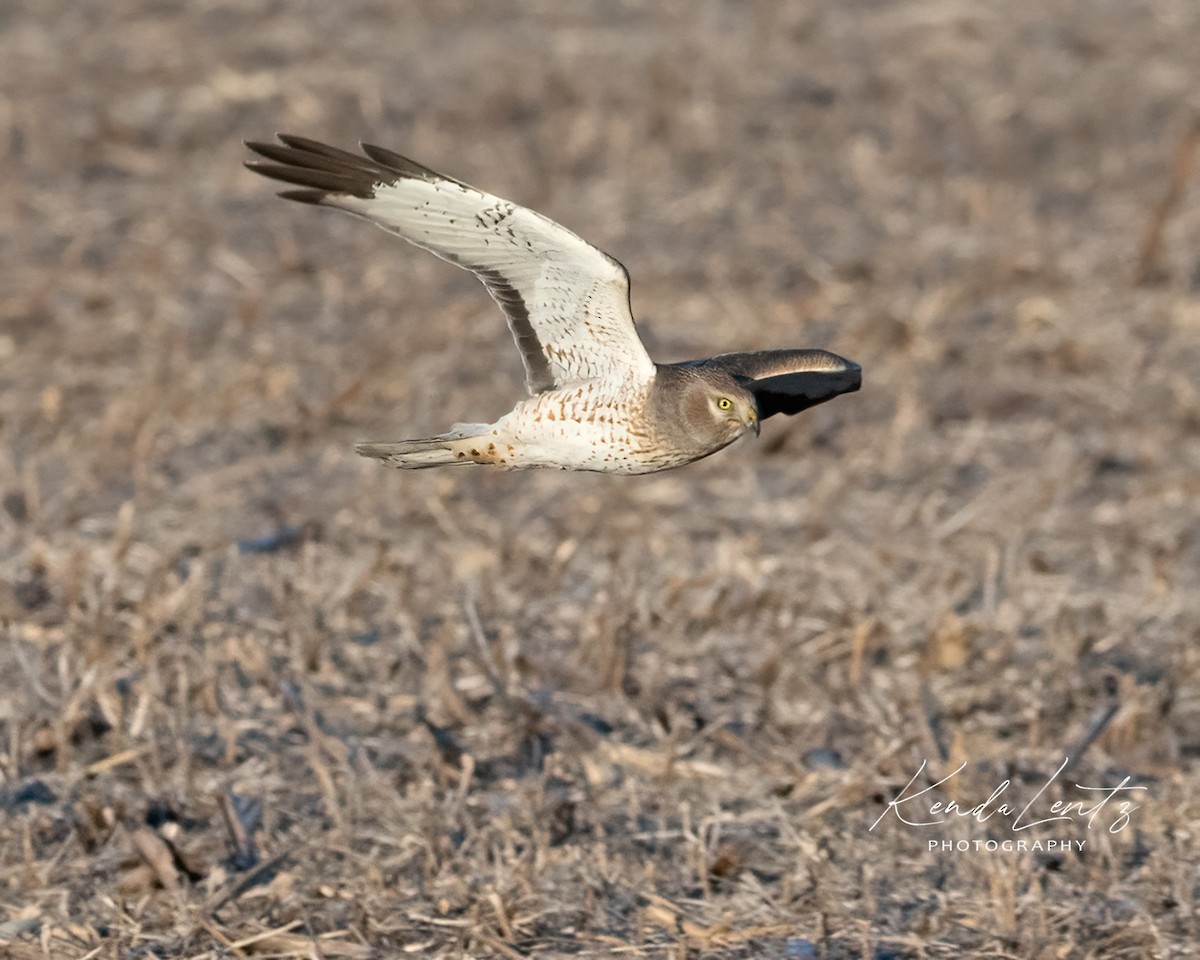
(788, 381)
(567, 302)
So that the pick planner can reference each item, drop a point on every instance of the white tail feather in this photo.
(467, 443)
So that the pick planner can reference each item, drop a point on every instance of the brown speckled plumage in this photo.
(598, 402)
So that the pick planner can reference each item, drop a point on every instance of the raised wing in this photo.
(567, 302)
(788, 381)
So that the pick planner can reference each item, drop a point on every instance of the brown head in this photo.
(700, 410)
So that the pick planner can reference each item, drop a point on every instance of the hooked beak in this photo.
(752, 422)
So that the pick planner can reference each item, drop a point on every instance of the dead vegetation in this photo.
(264, 699)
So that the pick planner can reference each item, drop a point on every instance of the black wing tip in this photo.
(316, 197)
(794, 393)
(258, 145)
(284, 142)
(329, 179)
(401, 165)
(318, 166)
(299, 142)
(851, 378)
(377, 163)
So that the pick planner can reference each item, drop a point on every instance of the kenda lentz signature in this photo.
(913, 810)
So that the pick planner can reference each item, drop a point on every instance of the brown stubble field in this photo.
(263, 698)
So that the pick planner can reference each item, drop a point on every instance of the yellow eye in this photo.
(725, 404)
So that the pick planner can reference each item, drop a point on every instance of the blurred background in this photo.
(262, 695)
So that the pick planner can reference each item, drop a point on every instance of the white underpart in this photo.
(592, 426)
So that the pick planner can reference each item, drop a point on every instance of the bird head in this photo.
(701, 410)
(733, 408)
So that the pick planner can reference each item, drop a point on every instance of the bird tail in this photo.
(465, 443)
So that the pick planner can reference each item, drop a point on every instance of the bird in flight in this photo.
(597, 401)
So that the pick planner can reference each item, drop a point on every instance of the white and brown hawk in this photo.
(597, 401)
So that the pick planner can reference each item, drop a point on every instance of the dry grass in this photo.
(471, 713)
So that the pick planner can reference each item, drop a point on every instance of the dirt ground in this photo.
(264, 698)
